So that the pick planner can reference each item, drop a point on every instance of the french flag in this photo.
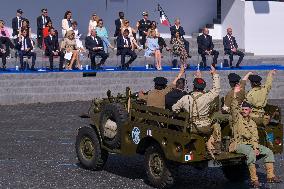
(163, 17)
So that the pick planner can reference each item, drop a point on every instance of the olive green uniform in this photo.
(245, 137)
(257, 97)
(156, 98)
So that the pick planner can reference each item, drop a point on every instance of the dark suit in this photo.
(123, 51)
(174, 30)
(3, 55)
(92, 42)
(23, 51)
(117, 27)
(206, 43)
(172, 97)
(40, 22)
(230, 43)
(15, 25)
(52, 45)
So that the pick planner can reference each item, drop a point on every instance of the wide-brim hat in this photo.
(145, 13)
(20, 11)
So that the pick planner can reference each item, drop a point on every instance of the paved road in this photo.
(37, 151)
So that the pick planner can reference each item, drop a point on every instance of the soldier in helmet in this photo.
(258, 95)
(246, 140)
(156, 97)
(198, 105)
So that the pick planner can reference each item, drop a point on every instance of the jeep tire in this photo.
(160, 173)
(116, 114)
(88, 149)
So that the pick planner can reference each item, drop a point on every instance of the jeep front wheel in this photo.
(237, 172)
(88, 149)
(158, 173)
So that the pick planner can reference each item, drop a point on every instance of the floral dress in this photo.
(179, 49)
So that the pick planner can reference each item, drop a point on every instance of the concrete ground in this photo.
(37, 151)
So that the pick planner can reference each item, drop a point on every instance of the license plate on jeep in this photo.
(213, 164)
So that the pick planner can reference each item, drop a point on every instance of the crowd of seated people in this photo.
(97, 42)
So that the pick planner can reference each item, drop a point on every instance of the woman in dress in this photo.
(179, 49)
(161, 41)
(132, 33)
(153, 48)
(66, 22)
(103, 34)
(93, 23)
(69, 46)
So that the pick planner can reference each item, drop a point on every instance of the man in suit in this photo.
(25, 47)
(124, 47)
(231, 48)
(96, 48)
(178, 28)
(143, 26)
(3, 55)
(41, 21)
(206, 47)
(118, 23)
(52, 49)
(17, 22)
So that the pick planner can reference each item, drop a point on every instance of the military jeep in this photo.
(125, 125)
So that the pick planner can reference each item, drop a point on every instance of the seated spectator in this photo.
(5, 38)
(3, 55)
(132, 33)
(118, 24)
(206, 47)
(66, 22)
(161, 40)
(143, 26)
(124, 48)
(179, 48)
(96, 48)
(231, 48)
(25, 47)
(45, 31)
(41, 23)
(177, 93)
(70, 49)
(52, 49)
(93, 23)
(77, 35)
(153, 48)
(178, 28)
(103, 34)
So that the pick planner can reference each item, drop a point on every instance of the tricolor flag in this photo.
(163, 18)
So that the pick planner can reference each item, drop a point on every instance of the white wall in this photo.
(264, 27)
(233, 15)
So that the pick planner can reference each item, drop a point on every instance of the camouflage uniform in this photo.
(257, 97)
(198, 105)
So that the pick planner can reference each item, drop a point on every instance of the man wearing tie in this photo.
(41, 21)
(17, 22)
(124, 47)
(231, 48)
(25, 47)
(206, 47)
(52, 49)
(96, 48)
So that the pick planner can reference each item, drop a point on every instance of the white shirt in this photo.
(43, 21)
(19, 22)
(24, 44)
(125, 41)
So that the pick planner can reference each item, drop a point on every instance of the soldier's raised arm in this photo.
(235, 107)
(244, 80)
(269, 79)
(181, 72)
(216, 88)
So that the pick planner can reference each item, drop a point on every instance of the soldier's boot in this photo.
(271, 178)
(253, 176)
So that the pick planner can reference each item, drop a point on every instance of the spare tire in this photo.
(113, 117)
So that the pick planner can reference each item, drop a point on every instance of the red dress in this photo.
(45, 33)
